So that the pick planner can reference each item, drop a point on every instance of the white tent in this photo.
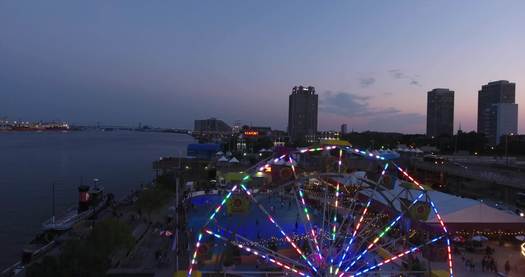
(456, 210)
(228, 154)
(480, 213)
(223, 159)
(234, 160)
(220, 153)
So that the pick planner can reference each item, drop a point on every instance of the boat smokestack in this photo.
(84, 198)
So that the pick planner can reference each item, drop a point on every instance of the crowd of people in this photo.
(487, 263)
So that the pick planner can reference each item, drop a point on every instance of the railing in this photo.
(475, 174)
(12, 270)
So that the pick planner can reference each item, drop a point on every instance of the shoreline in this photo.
(122, 167)
(47, 247)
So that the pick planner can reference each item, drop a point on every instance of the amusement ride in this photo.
(347, 223)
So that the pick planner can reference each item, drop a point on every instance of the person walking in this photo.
(507, 267)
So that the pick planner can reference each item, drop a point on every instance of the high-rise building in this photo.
(302, 114)
(490, 94)
(504, 121)
(344, 129)
(440, 112)
(212, 126)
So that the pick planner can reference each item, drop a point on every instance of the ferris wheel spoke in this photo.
(276, 224)
(395, 257)
(360, 222)
(200, 235)
(334, 223)
(352, 238)
(366, 233)
(308, 222)
(324, 219)
(264, 256)
(441, 222)
(377, 247)
(381, 235)
(255, 244)
(354, 201)
(310, 230)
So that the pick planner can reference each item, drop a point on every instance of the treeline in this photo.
(470, 142)
(90, 257)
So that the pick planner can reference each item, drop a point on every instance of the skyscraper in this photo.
(491, 94)
(344, 129)
(504, 120)
(302, 114)
(440, 112)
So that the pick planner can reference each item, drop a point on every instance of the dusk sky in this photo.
(166, 63)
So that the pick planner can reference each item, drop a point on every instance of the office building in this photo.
(302, 114)
(490, 94)
(211, 126)
(440, 112)
(504, 121)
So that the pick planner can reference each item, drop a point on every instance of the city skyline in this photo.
(371, 64)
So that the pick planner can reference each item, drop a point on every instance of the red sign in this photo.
(251, 133)
(84, 197)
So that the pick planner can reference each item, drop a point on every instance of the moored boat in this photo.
(91, 200)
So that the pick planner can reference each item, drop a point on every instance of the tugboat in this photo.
(91, 200)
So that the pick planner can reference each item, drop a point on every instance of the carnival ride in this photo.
(345, 224)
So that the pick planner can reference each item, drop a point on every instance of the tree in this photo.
(87, 258)
(151, 200)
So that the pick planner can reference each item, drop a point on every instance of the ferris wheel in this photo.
(338, 222)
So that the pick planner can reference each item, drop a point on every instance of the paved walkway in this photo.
(508, 251)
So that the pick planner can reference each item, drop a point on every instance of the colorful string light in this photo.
(194, 257)
(314, 237)
(340, 162)
(334, 223)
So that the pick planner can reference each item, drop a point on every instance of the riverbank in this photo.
(137, 212)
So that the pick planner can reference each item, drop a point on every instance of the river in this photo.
(31, 162)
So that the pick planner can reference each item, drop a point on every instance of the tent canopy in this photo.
(454, 209)
(480, 213)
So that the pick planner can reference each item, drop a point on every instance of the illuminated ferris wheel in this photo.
(339, 222)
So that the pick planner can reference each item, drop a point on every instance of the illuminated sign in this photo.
(523, 249)
(251, 133)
